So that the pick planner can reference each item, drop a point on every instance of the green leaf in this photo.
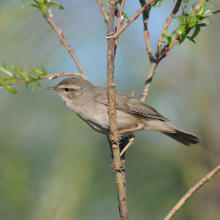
(55, 5)
(125, 15)
(10, 89)
(28, 82)
(22, 1)
(5, 71)
(167, 32)
(5, 66)
(107, 5)
(182, 38)
(36, 6)
(35, 82)
(37, 71)
(196, 32)
(191, 39)
(2, 81)
(38, 83)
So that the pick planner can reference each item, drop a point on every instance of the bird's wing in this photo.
(131, 105)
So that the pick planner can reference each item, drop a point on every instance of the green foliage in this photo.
(188, 22)
(44, 6)
(18, 75)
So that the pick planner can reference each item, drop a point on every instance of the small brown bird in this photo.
(90, 103)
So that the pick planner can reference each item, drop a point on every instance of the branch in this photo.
(150, 76)
(168, 21)
(215, 12)
(117, 164)
(103, 10)
(146, 33)
(198, 7)
(120, 20)
(191, 192)
(49, 76)
(132, 19)
(63, 41)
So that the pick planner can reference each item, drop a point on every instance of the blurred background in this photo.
(54, 166)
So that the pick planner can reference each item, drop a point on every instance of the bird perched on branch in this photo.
(90, 103)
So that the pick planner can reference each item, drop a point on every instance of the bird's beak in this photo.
(53, 88)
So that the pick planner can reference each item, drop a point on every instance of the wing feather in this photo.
(131, 105)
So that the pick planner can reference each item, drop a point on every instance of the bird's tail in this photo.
(177, 134)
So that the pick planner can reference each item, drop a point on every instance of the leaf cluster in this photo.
(16, 74)
(188, 22)
(44, 5)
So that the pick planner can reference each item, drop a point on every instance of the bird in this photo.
(90, 103)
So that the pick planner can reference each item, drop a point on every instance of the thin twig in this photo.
(120, 20)
(136, 15)
(153, 60)
(210, 14)
(63, 41)
(49, 76)
(146, 32)
(117, 164)
(103, 10)
(168, 21)
(150, 76)
(191, 192)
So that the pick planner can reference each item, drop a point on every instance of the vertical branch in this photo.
(146, 13)
(117, 164)
(154, 60)
(120, 20)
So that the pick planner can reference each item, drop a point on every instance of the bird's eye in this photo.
(67, 90)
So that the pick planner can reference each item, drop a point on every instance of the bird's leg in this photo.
(139, 127)
(130, 142)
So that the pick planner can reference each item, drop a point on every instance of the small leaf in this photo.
(5, 66)
(28, 82)
(37, 71)
(55, 5)
(5, 71)
(191, 39)
(182, 38)
(10, 89)
(34, 85)
(107, 5)
(167, 32)
(38, 83)
(36, 6)
(125, 15)
(196, 32)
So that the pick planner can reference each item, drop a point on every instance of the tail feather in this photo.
(172, 131)
(183, 137)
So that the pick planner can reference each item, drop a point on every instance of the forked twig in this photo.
(120, 20)
(191, 192)
(103, 10)
(135, 16)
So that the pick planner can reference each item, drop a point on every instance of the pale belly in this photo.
(124, 121)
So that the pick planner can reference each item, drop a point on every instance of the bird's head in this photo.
(70, 88)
